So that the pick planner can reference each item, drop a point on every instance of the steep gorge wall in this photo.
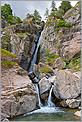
(62, 41)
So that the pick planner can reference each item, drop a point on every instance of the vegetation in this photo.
(7, 53)
(45, 69)
(65, 6)
(50, 57)
(8, 64)
(7, 15)
(5, 41)
(53, 6)
(37, 16)
(74, 63)
(46, 13)
(62, 23)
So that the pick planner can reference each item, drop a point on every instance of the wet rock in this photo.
(73, 103)
(66, 85)
(4, 116)
(78, 113)
(45, 86)
(5, 120)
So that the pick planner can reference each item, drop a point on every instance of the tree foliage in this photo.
(37, 16)
(65, 6)
(6, 11)
(53, 6)
(46, 13)
(7, 15)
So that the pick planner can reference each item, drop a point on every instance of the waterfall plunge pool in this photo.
(49, 114)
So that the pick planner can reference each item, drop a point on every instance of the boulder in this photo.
(18, 101)
(73, 103)
(26, 103)
(45, 86)
(72, 47)
(66, 85)
(59, 64)
(18, 95)
(78, 113)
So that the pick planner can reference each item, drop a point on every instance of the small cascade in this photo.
(37, 90)
(50, 103)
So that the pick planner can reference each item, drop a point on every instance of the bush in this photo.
(62, 23)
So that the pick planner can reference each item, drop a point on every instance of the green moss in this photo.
(7, 53)
(8, 64)
(50, 57)
(45, 69)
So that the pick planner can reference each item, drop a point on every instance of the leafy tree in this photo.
(65, 6)
(6, 11)
(7, 15)
(16, 19)
(37, 16)
(53, 6)
(47, 13)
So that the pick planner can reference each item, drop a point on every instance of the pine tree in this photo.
(53, 6)
(46, 13)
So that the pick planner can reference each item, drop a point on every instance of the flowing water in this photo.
(34, 57)
(50, 103)
(37, 90)
(49, 112)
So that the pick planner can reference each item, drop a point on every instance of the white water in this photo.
(33, 62)
(37, 90)
(50, 108)
(50, 103)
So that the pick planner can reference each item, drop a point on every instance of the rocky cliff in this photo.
(19, 39)
(61, 40)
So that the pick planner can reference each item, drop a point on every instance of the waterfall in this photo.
(50, 103)
(34, 56)
(37, 90)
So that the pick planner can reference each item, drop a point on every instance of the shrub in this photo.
(62, 23)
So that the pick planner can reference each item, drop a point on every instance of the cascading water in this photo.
(34, 57)
(37, 90)
(50, 103)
